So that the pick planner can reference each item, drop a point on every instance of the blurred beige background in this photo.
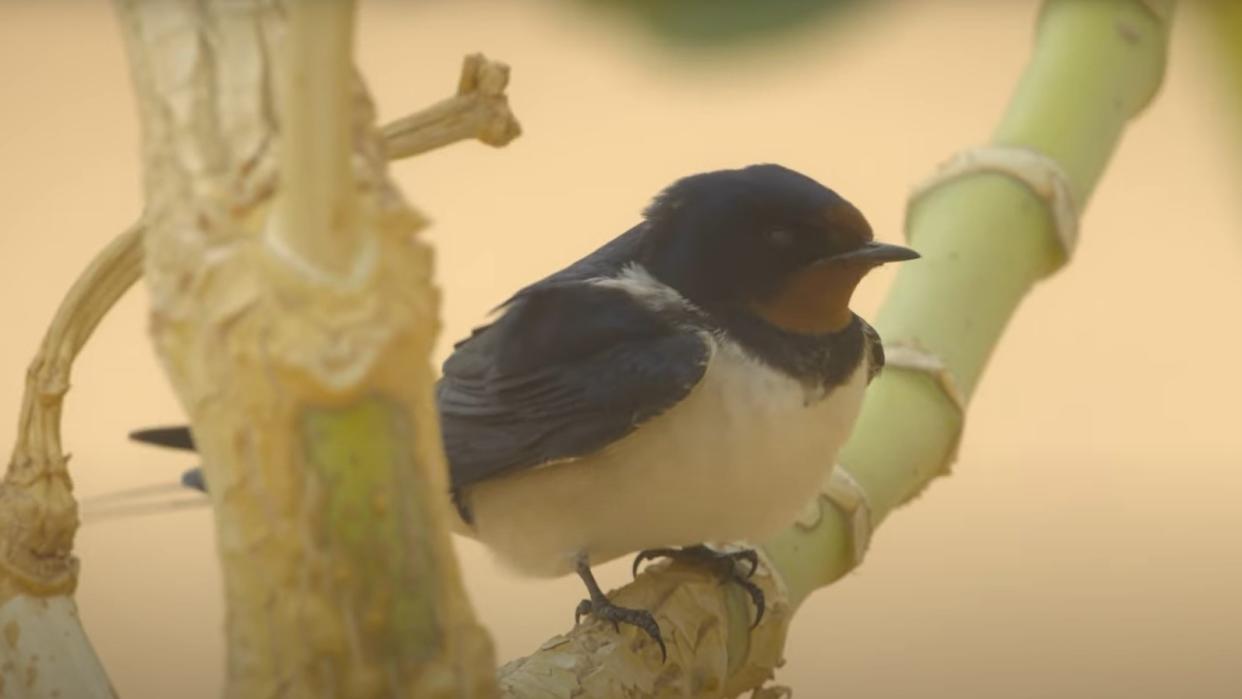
(1087, 544)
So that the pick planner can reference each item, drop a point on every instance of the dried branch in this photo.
(293, 310)
(479, 110)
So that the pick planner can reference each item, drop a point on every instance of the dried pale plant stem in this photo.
(295, 319)
(44, 649)
(479, 110)
(987, 236)
(314, 215)
(37, 508)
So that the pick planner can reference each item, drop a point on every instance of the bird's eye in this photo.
(779, 237)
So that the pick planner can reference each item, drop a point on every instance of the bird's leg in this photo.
(723, 563)
(599, 607)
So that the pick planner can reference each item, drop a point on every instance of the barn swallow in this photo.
(690, 381)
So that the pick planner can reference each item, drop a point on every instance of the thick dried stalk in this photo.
(986, 238)
(45, 649)
(299, 346)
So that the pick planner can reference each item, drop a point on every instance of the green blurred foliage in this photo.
(710, 23)
(1224, 22)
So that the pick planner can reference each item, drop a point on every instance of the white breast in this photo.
(736, 459)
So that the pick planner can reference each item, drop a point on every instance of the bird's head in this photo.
(763, 239)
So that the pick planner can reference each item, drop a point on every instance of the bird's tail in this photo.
(180, 437)
(173, 437)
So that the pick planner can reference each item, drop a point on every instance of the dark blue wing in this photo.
(568, 369)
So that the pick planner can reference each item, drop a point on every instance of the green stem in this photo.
(986, 239)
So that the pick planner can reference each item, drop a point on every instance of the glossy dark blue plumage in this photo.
(570, 367)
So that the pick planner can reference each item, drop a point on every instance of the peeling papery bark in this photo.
(706, 625)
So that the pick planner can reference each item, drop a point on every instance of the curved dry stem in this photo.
(37, 509)
(38, 515)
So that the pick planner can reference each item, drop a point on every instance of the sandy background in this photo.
(1088, 543)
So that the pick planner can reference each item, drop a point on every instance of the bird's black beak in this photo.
(876, 253)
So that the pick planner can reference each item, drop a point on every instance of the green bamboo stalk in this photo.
(986, 239)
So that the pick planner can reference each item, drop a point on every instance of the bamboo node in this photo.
(848, 498)
(1040, 173)
(904, 355)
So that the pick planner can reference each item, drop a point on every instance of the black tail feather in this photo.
(178, 437)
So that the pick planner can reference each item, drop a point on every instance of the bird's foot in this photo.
(724, 563)
(601, 608)
(598, 606)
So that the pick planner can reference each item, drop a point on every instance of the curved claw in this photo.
(650, 555)
(645, 621)
(638, 560)
(725, 564)
(607, 611)
(756, 596)
(749, 556)
(698, 553)
(663, 651)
